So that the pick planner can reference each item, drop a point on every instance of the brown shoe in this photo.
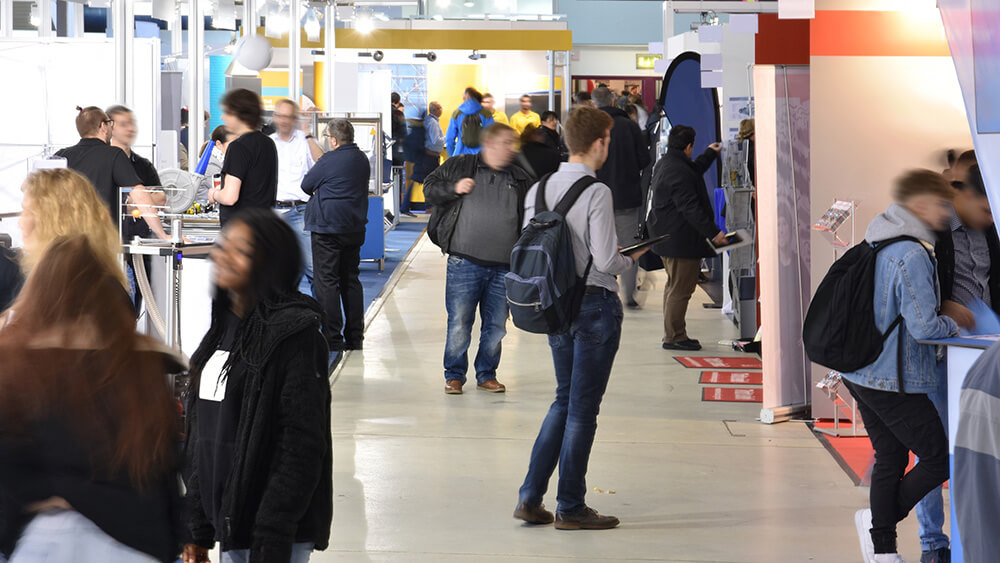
(491, 386)
(586, 519)
(453, 387)
(533, 514)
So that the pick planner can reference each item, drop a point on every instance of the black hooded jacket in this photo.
(628, 154)
(681, 207)
(280, 489)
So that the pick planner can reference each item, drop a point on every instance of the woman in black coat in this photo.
(259, 445)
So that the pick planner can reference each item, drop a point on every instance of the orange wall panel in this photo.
(913, 33)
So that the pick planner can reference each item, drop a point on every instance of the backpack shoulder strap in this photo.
(574, 194)
(540, 194)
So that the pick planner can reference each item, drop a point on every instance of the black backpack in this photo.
(839, 331)
(543, 290)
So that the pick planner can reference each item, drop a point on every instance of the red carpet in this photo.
(707, 362)
(732, 377)
(854, 454)
(732, 394)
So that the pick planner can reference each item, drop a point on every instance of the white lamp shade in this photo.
(254, 52)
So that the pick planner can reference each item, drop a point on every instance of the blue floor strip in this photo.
(398, 243)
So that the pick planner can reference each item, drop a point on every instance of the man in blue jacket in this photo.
(335, 216)
(901, 420)
(467, 124)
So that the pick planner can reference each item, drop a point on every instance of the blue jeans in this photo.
(583, 358)
(69, 536)
(930, 510)
(470, 286)
(300, 554)
(296, 219)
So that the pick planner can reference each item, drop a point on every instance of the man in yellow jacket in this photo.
(489, 104)
(520, 120)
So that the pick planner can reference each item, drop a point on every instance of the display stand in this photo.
(839, 213)
(742, 262)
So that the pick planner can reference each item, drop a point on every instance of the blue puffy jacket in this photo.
(453, 138)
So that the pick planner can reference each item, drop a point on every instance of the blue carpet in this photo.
(398, 243)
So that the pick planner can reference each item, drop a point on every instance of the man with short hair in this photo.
(682, 209)
(627, 156)
(467, 124)
(297, 152)
(520, 120)
(892, 397)
(108, 168)
(550, 126)
(336, 216)
(490, 105)
(584, 355)
(478, 204)
(581, 99)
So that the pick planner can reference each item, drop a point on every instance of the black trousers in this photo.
(336, 260)
(898, 424)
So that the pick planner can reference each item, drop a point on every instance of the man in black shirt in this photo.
(250, 170)
(123, 136)
(107, 167)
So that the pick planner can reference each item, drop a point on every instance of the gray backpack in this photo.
(543, 290)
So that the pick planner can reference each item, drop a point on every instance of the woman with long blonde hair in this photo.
(63, 202)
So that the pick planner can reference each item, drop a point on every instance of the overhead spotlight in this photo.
(476, 56)
(469, 4)
(377, 55)
(364, 25)
(430, 56)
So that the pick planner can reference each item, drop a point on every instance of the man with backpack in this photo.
(478, 204)
(892, 391)
(583, 354)
(467, 125)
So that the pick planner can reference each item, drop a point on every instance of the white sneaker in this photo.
(888, 558)
(863, 522)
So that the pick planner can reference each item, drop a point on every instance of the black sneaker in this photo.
(632, 304)
(586, 519)
(942, 555)
(686, 345)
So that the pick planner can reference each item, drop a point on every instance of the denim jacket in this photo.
(905, 283)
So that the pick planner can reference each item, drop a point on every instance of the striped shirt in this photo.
(972, 264)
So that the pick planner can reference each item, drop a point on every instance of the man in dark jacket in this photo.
(682, 209)
(478, 211)
(628, 154)
(336, 216)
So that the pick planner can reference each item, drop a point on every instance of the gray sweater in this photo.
(592, 222)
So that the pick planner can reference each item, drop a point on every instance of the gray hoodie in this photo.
(898, 221)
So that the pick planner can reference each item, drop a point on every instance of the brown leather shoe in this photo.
(533, 514)
(491, 386)
(586, 519)
(453, 387)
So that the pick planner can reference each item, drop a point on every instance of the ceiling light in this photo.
(444, 3)
(364, 25)
(469, 4)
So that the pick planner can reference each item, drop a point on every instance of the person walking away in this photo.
(968, 255)
(413, 151)
(259, 445)
(398, 130)
(88, 424)
(681, 209)
(542, 158)
(433, 143)
(478, 209)
(892, 398)
(584, 355)
(627, 156)
(520, 120)
(336, 217)
(297, 152)
(490, 105)
(108, 168)
(250, 171)
(467, 124)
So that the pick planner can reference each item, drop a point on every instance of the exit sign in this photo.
(646, 62)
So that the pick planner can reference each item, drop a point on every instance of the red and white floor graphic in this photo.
(733, 394)
(732, 378)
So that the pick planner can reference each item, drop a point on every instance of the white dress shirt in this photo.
(294, 161)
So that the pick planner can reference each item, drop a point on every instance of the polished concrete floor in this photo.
(424, 476)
